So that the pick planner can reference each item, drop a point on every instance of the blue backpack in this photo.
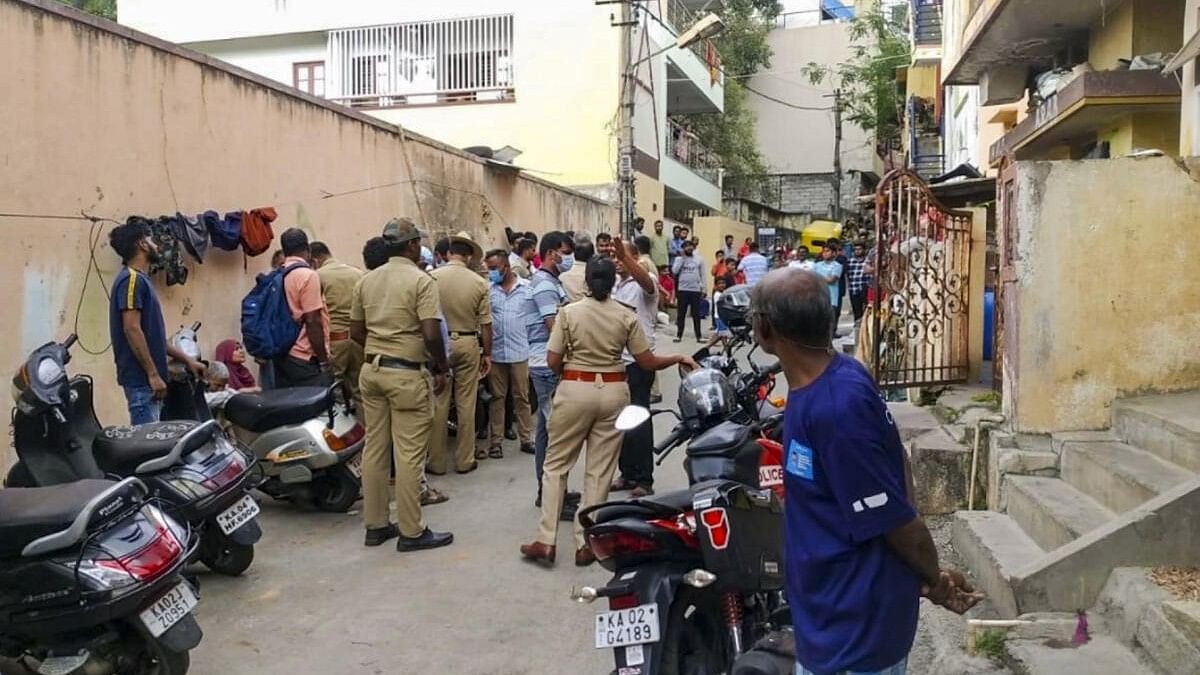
(268, 329)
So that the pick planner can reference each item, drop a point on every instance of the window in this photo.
(309, 77)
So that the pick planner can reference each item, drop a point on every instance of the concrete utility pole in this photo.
(837, 155)
(629, 19)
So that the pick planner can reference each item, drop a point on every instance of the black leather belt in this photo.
(393, 362)
(463, 333)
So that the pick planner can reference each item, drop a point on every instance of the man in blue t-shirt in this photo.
(135, 324)
(858, 555)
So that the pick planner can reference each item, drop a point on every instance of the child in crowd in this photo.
(722, 334)
(666, 283)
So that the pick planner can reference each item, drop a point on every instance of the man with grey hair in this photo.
(858, 556)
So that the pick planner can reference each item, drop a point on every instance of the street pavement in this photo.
(317, 601)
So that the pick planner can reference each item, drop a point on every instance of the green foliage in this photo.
(990, 644)
(744, 50)
(104, 8)
(879, 45)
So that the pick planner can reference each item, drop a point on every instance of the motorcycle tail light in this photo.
(152, 560)
(339, 443)
(231, 472)
(623, 602)
(681, 528)
(610, 544)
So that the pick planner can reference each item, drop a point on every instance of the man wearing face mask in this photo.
(510, 353)
(136, 327)
(546, 295)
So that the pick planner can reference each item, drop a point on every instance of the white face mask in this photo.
(567, 262)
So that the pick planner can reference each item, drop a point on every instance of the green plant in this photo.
(871, 97)
(990, 398)
(990, 643)
(104, 8)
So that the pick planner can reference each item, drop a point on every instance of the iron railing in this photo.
(422, 63)
(685, 147)
(681, 18)
(926, 18)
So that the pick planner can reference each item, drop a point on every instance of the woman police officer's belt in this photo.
(588, 376)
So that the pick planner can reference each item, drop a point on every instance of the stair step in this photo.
(1101, 656)
(1167, 425)
(1052, 512)
(1169, 647)
(1118, 476)
(994, 547)
(1185, 615)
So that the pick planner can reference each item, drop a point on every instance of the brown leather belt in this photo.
(587, 376)
(339, 335)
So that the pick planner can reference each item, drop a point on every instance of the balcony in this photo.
(1025, 33)
(422, 63)
(690, 172)
(1089, 103)
(925, 137)
(695, 83)
(926, 22)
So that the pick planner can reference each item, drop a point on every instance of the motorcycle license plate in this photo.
(169, 609)
(237, 515)
(633, 626)
(355, 466)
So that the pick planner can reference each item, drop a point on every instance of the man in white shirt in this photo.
(637, 288)
(754, 265)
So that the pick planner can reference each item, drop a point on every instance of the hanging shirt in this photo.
(853, 599)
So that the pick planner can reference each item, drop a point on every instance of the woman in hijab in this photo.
(233, 355)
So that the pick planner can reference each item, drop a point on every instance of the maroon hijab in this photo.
(240, 376)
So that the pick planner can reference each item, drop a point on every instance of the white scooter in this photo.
(307, 439)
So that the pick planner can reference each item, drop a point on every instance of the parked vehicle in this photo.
(90, 582)
(200, 477)
(698, 573)
(307, 440)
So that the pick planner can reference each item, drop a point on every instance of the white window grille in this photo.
(423, 63)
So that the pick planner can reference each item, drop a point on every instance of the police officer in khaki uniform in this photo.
(337, 287)
(467, 306)
(585, 348)
(394, 315)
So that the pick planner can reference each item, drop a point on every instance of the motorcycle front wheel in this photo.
(694, 638)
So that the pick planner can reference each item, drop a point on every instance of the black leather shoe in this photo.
(569, 509)
(528, 448)
(572, 498)
(376, 536)
(428, 539)
(510, 434)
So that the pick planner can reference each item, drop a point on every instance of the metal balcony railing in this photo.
(681, 18)
(685, 147)
(422, 63)
(926, 19)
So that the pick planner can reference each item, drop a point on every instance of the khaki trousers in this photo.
(347, 356)
(464, 361)
(582, 411)
(504, 376)
(398, 414)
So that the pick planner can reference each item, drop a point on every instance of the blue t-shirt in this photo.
(853, 600)
(133, 290)
(830, 268)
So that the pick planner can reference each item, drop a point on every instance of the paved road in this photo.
(317, 601)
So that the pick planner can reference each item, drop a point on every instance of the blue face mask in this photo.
(496, 277)
(568, 261)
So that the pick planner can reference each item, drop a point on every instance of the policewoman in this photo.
(585, 349)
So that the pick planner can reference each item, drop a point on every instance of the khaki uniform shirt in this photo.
(393, 300)
(591, 335)
(337, 287)
(574, 281)
(466, 302)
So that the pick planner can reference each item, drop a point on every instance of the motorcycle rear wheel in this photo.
(223, 556)
(336, 490)
(695, 638)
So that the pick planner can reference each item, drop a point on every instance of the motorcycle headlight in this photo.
(49, 371)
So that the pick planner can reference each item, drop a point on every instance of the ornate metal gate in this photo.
(922, 287)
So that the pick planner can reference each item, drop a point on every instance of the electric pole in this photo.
(837, 155)
(629, 16)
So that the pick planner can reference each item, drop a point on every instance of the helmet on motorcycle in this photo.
(706, 393)
(734, 306)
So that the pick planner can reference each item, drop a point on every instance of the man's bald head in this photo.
(793, 305)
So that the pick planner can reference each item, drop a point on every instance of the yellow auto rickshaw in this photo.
(816, 233)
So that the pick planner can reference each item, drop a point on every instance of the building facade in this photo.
(538, 81)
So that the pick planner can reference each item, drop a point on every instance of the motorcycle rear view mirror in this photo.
(632, 417)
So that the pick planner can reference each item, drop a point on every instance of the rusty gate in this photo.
(921, 286)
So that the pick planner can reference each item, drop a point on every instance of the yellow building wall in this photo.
(923, 81)
(1111, 37)
(1073, 344)
(1159, 131)
(650, 196)
(1119, 136)
(712, 230)
(1135, 27)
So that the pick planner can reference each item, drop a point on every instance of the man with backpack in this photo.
(307, 362)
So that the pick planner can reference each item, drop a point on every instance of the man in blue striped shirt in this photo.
(510, 352)
(755, 265)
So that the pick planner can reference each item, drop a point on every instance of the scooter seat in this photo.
(120, 450)
(27, 514)
(278, 407)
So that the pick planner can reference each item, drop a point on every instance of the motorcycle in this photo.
(90, 582)
(307, 440)
(698, 573)
(199, 476)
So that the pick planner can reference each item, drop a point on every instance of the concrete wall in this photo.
(1084, 322)
(1189, 131)
(801, 141)
(813, 193)
(711, 231)
(115, 123)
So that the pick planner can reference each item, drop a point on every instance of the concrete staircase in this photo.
(1125, 498)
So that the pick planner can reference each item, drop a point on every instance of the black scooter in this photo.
(698, 573)
(90, 582)
(200, 477)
